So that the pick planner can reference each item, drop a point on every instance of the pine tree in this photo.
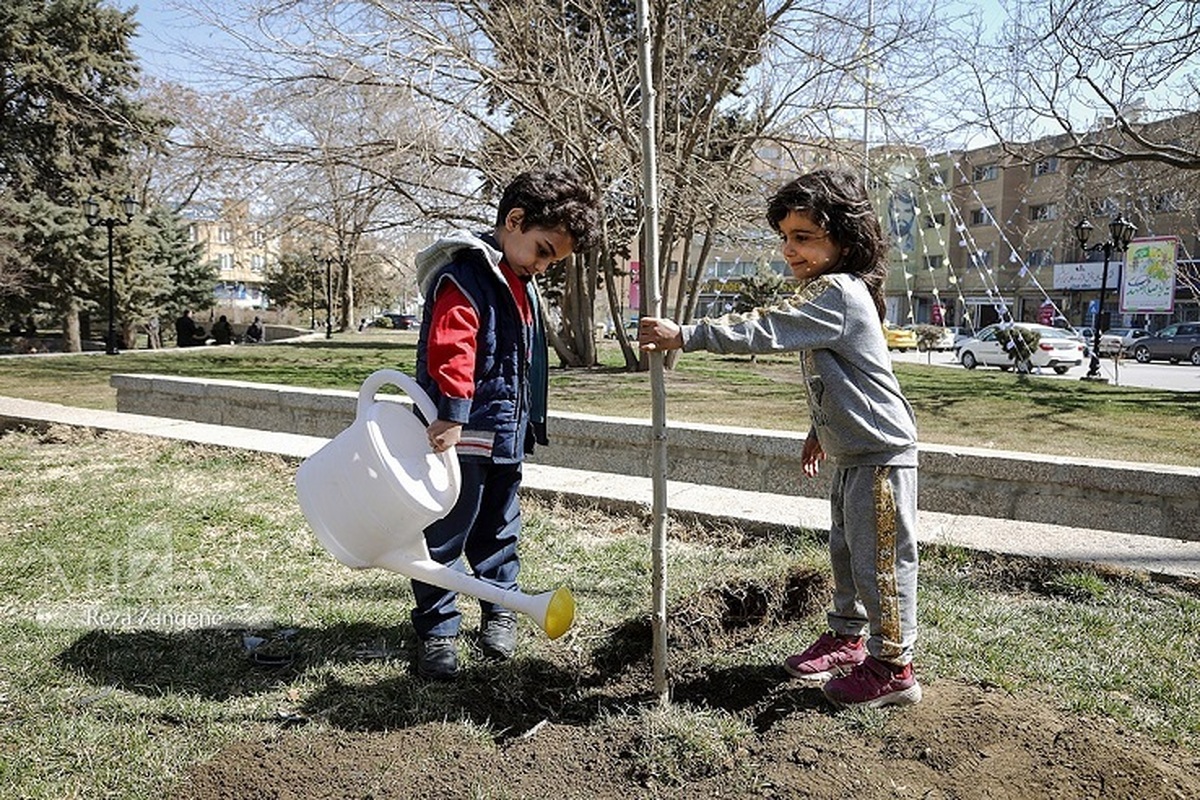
(67, 77)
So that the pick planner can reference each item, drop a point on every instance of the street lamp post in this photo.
(91, 210)
(312, 297)
(1120, 233)
(328, 259)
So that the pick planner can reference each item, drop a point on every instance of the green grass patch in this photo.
(142, 577)
(953, 407)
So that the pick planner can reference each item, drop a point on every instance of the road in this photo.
(1158, 375)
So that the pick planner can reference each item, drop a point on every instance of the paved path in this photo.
(1168, 558)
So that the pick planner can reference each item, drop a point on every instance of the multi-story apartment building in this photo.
(988, 232)
(1009, 239)
(239, 248)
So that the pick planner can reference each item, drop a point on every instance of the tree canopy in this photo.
(70, 122)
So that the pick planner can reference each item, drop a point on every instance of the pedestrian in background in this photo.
(153, 334)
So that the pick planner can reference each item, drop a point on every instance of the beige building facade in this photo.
(240, 249)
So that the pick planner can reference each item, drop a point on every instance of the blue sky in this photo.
(164, 30)
(163, 34)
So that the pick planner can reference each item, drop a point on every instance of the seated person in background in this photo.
(255, 332)
(222, 331)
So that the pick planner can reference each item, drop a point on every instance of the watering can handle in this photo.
(380, 378)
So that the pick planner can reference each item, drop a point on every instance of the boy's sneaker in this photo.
(873, 684)
(437, 658)
(827, 658)
(498, 635)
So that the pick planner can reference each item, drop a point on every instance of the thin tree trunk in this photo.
(72, 342)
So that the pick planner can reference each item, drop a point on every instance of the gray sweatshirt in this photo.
(858, 412)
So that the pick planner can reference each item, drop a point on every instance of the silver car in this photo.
(1055, 349)
(1174, 343)
(1120, 340)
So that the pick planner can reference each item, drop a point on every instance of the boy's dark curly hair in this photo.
(554, 197)
(837, 201)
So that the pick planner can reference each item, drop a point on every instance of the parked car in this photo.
(901, 339)
(1120, 340)
(961, 334)
(1174, 343)
(400, 322)
(1055, 349)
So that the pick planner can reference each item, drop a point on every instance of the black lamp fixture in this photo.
(1120, 234)
(91, 210)
(328, 259)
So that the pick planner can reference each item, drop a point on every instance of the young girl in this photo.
(834, 246)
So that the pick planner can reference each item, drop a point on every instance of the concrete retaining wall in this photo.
(1148, 499)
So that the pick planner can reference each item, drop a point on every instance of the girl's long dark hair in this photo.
(837, 201)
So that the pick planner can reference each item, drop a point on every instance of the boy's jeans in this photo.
(484, 526)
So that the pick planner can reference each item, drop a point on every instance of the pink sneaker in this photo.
(873, 684)
(826, 658)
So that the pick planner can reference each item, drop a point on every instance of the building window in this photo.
(987, 172)
(1046, 167)
(192, 234)
(1044, 213)
(935, 220)
(224, 235)
(933, 262)
(226, 262)
(982, 259)
(1167, 203)
(1040, 258)
(257, 261)
(1103, 207)
(981, 216)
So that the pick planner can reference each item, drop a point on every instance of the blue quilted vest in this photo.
(497, 422)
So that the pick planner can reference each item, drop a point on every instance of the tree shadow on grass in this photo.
(221, 663)
(215, 664)
(505, 699)
(762, 693)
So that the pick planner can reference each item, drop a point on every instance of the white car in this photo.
(1055, 349)
(1120, 340)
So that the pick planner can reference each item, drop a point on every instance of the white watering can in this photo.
(371, 491)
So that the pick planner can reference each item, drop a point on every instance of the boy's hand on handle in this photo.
(443, 435)
(811, 456)
(657, 333)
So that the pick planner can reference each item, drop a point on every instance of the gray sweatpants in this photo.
(873, 548)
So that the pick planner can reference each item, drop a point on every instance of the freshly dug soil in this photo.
(962, 741)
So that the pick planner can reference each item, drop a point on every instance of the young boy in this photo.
(482, 358)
